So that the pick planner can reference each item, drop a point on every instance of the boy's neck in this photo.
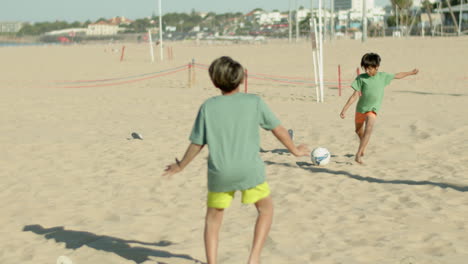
(231, 92)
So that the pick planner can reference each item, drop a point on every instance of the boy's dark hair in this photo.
(370, 60)
(226, 73)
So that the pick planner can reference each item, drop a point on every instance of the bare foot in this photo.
(358, 159)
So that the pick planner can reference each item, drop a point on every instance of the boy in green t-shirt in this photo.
(229, 125)
(369, 88)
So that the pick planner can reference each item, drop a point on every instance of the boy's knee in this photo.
(265, 205)
(213, 212)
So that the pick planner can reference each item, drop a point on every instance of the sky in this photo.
(82, 10)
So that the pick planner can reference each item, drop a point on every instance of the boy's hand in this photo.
(414, 71)
(342, 114)
(302, 151)
(172, 169)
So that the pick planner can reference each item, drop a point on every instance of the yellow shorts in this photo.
(249, 196)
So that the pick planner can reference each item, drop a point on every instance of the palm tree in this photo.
(428, 7)
(404, 6)
(452, 14)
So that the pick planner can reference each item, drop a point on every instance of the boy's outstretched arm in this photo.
(402, 75)
(283, 136)
(350, 101)
(191, 152)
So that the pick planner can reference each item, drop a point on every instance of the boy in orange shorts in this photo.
(229, 125)
(369, 88)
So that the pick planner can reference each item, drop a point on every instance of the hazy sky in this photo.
(82, 10)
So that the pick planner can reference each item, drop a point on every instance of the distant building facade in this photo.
(352, 4)
(343, 5)
(102, 28)
(10, 27)
(120, 21)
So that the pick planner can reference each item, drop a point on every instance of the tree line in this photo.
(182, 21)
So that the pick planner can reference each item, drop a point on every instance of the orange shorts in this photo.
(361, 117)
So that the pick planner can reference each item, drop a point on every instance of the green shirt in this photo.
(372, 90)
(229, 125)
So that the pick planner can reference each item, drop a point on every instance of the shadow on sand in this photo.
(426, 93)
(312, 168)
(76, 239)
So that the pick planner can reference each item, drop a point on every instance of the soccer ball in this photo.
(320, 156)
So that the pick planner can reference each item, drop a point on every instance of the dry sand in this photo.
(73, 184)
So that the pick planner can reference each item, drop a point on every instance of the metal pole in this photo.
(441, 19)
(332, 25)
(397, 18)
(320, 50)
(289, 22)
(315, 75)
(460, 18)
(161, 50)
(150, 39)
(316, 35)
(364, 20)
(297, 22)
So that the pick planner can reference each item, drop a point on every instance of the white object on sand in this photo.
(64, 260)
(320, 156)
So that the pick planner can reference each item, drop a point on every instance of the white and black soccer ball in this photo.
(320, 156)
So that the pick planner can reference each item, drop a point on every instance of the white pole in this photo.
(317, 53)
(150, 39)
(332, 3)
(397, 18)
(423, 25)
(316, 34)
(441, 19)
(364, 20)
(289, 22)
(297, 22)
(161, 49)
(320, 50)
(315, 76)
(325, 26)
(460, 18)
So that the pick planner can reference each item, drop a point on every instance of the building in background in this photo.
(353, 5)
(10, 27)
(102, 28)
(120, 21)
(349, 14)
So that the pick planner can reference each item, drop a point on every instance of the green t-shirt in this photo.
(372, 90)
(229, 125)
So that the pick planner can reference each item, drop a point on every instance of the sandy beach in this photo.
(73, 182)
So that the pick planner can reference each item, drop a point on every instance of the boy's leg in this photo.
(360, 130)
(213, 220)
(262, 228)
(359, 122)
(370, 121)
